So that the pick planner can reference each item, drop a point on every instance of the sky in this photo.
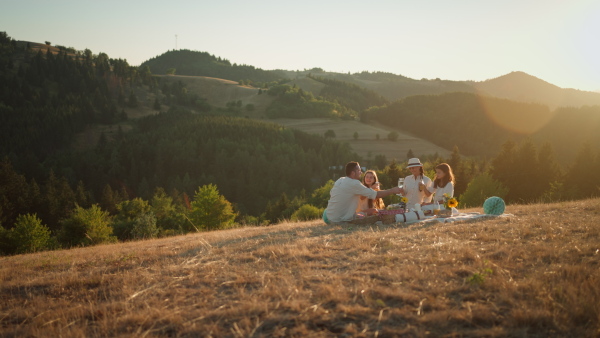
(557, 41)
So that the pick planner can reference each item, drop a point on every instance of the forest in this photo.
(194, 167)
(187, 62)
(479, 125)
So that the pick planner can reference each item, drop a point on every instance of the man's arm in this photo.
(384, 193)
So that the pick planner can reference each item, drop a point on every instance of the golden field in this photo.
(535, 274)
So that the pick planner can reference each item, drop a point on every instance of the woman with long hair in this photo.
(366, 205)
(443, 183)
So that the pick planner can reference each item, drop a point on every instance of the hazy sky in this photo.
(555, 40)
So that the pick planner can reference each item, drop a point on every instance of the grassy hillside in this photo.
(535, 274)
(367, 146)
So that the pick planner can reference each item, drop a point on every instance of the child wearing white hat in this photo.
(416, 184)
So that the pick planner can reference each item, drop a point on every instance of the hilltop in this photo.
(517, 86)
(534, 274)
(520, 86)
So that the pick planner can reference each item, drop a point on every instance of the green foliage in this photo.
(480, 188)
(329, 133)
(55, 97)
(30, 235)
(527, 173)
(320, 196)
(86, 226)
(393, 136)
(296, 103)
(180, 150)
(307, 212)
(578, 178)
(176, 93)
(204, 64)
(144, 226)
(428, 116)
(349, 95)
(130, 214)
(478, 278)
(210, 210)
(169, 216)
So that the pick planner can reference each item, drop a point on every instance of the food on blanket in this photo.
(494, 206)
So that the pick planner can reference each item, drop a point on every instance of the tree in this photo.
(578, 176)
(330, 133)
(128, 212)
(410, 154)
(320, 196)
(393, 136)
(144, 226)
(480, 188)
(156, 105)
(133, 101)
(210, 210)
(30, 235)
(355, 135)
(86, 226)
(170, 71)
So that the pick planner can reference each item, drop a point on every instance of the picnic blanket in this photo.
(460, 217)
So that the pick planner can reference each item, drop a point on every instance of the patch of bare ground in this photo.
(535, 274)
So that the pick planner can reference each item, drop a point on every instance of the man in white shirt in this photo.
(346, 193)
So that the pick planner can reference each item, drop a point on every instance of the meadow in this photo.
(534, 274)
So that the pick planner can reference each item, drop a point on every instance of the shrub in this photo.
(307, 212)
(144, 226)
(85, 227)
(127, 213)
(30, 235)
(210, 210)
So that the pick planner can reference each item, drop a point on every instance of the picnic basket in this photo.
(365, 220)
(389, 216)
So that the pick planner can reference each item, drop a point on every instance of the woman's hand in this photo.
(376, 186)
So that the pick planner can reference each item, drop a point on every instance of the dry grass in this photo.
(532, 275)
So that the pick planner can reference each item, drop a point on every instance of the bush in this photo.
(87, 227)
(320, 196)
(127, 214)
(144, 226)
(30, 235)
(306, 212)
(210, 210)
(480, 188)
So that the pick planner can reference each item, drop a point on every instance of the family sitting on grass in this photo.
(351, 199)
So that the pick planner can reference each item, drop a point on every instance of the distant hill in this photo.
(519, 86)
(516, 86)
(187, 62)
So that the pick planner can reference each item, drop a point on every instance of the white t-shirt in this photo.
(411, 190)
(439, 192)
(344, 199)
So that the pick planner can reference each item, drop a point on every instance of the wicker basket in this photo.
(389, 216)
(365, 220)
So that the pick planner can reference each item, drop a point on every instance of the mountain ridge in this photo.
(517, 85)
